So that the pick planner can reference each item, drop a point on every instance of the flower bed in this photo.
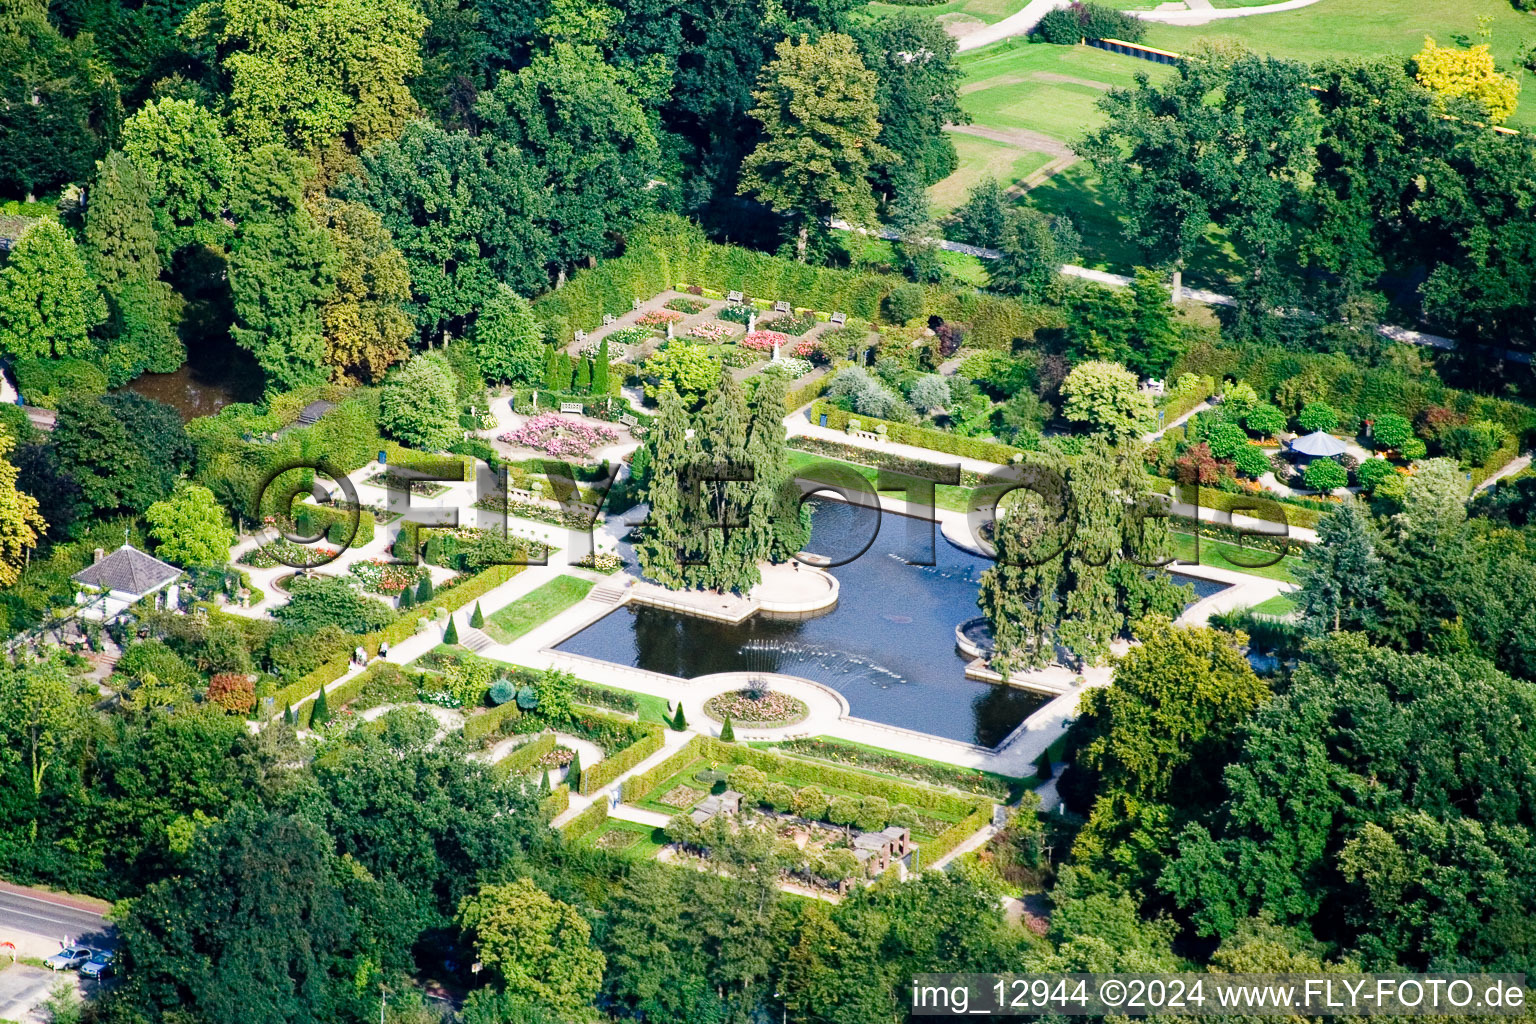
(688, 306)
(538, 513)
(712, 331)
(609, 564)
(659, 318)
(556, 758)
(792, 366)
(794, 325)
(284, 552)
(756, 708)
(396, 482)
(558, 436)
(388, 578)
(763, 341)
(737, 314)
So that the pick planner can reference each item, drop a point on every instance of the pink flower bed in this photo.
(659, 318)
(763, 341)
(558, 436)
(712, 331)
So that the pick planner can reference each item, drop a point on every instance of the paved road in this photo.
(24, 917)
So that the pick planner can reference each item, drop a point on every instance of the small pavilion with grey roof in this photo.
(114, 583)
(1317, 445)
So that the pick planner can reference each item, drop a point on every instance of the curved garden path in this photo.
(589, 752)
(1022, 21)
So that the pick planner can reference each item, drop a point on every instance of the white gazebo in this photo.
(1318, 445)
(114, 583)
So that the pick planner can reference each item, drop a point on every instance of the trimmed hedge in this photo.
(523, 758)
(921, 437)
(556, 804)
(670, 249)
(335, 522)
(595, 777)
(401, 629)
(922, 797)
(1506, 451)
(478, 727)
(1225, 501)
(636, 786)
(586, 821)
(930, 852)
(807, 393)
(347, 691)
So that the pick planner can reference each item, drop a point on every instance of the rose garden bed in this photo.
(754, 708)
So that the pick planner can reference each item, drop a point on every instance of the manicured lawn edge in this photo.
(535, 608)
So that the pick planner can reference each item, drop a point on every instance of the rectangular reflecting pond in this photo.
(888, 646)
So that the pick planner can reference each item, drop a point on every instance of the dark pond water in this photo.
(888, 646)
(204, 384)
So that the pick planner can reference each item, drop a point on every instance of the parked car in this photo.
(99, 965)
(68, 958)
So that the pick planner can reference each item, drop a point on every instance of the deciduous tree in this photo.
(48, 302)
(539, 946)
(191, 527)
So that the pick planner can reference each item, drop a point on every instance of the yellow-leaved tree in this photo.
(20, 522)
(1455, 73)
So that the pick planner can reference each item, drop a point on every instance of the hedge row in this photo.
(920, 437)
(478, 727)
(636, 786)
(921, 797)
(931, 851)
(589, 819)
(807, 393)
(401, 629)
(523, 758)
(671, 249)
(1225, 501)
(595, 777)
(347, 691)
(1506, 451)
(1178, 403)
(336, 522)
(556, 804)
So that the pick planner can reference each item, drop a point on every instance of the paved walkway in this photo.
(1017, 24)
(1509, 469)
(1201, 12)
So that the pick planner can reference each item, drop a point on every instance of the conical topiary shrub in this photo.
(727, 734)
(573, 774)
(288, 713)
(424, 590)
(1043, 768)
(544, 784)
(476, 619)
(407, 598)
(451, 634)
(322, 712)
(678, 721)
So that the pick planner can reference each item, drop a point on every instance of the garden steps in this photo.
(475, 639)
(609, 593)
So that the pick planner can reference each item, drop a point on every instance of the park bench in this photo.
(838, 319)
(781, 306)
(733, 297)
(573, 407)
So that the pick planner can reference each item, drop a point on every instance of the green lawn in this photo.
(639, 842)
(1076, 192)
(981, 158)
(535, 608)
(954, 499)
(983, 12)
(1044, 88)
(1363, 28)
(1219, 554)
(878, 253)
(1280, 604)
(1007, 780)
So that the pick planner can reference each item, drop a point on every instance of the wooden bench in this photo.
(581, 335)
(608, 318)
(838, 319)
(628, 420)
(635, 306)
(781, 307)
(574, 407)
(733, 297)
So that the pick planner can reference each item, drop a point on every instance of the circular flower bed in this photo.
(556, 435)
(752, 707)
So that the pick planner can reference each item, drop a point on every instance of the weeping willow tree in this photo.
(1075, 547)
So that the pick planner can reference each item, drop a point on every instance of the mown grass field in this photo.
(535, 607)
(961, 12)
(1339, 29)
(981, 158)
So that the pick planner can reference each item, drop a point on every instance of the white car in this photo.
(68, 958)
